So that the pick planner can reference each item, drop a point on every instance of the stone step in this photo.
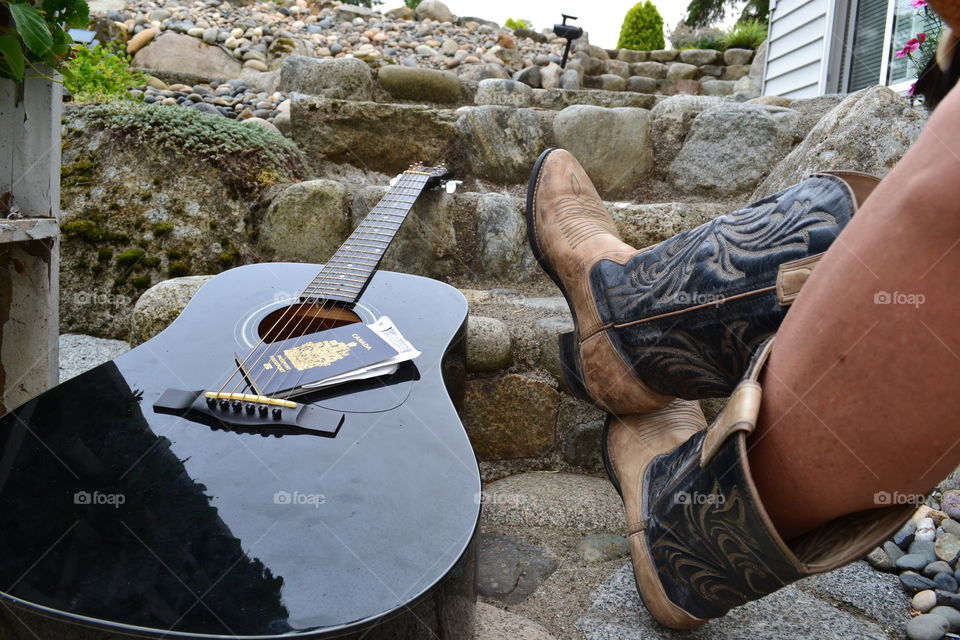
(494, 623)
(677, 148)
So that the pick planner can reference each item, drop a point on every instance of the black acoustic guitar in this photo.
(163, 494)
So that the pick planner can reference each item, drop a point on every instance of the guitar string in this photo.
(417, 184)
(322, 279)
(412, 182)
(326, 277)
(261, 342)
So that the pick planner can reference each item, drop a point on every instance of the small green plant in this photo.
(129, 258)
(101, 74)
(412, 4)
(34, 33)
(514, 24)
(642, 28)
(178, 270)
(162, 228)
(746, 34)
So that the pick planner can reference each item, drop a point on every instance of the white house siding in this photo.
(795, 57)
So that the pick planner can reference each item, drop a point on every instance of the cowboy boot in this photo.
(700, 539)
(681, 318)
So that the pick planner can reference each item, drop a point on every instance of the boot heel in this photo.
(570, 365)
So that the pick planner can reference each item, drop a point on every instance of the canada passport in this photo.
(285, 367)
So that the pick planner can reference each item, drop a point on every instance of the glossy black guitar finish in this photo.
(130, 521)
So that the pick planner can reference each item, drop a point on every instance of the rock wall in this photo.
(684, 147)
(136, 212)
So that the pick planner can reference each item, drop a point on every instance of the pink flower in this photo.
(921, 37)
(912, 90)
(912, 45)
(918, 4)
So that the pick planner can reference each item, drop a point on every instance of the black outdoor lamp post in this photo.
(568, 31)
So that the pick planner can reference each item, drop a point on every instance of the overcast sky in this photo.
(602, 19)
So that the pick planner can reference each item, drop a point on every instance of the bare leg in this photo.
(860, 397)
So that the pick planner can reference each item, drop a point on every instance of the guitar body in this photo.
(132, 522)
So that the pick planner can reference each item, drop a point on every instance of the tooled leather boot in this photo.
(700, 539)
(681, 318)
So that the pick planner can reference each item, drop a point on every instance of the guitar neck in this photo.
(345, 276)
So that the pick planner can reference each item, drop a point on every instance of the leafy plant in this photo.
(923, 47)
(746, 34)
(34, 33)
(518, 24)
(642, 28)
(101, 74)
(412, 4)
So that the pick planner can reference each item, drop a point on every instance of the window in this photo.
(907, 23)
(875, 31)
(865, 56)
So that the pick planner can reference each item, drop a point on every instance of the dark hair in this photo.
(934, 83)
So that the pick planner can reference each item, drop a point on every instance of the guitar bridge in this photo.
(248, 413)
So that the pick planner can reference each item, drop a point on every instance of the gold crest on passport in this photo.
(312, 358)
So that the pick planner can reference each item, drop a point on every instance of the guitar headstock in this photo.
(437, 176)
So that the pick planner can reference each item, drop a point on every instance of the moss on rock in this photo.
(221, 141)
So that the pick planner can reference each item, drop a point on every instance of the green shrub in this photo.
(411, 4)
(747, 34)
(101, 74)
(642, 28)
(514, 24)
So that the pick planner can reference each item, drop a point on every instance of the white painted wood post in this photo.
(29, 247)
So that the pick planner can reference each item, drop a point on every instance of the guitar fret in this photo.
(352, 268)
(349, 270)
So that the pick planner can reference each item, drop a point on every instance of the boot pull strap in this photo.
(791, 276)
(740, 414)
(742, 409)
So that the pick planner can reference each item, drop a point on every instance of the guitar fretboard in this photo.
(345, 276)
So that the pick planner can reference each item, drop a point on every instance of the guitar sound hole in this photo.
(301, 319)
